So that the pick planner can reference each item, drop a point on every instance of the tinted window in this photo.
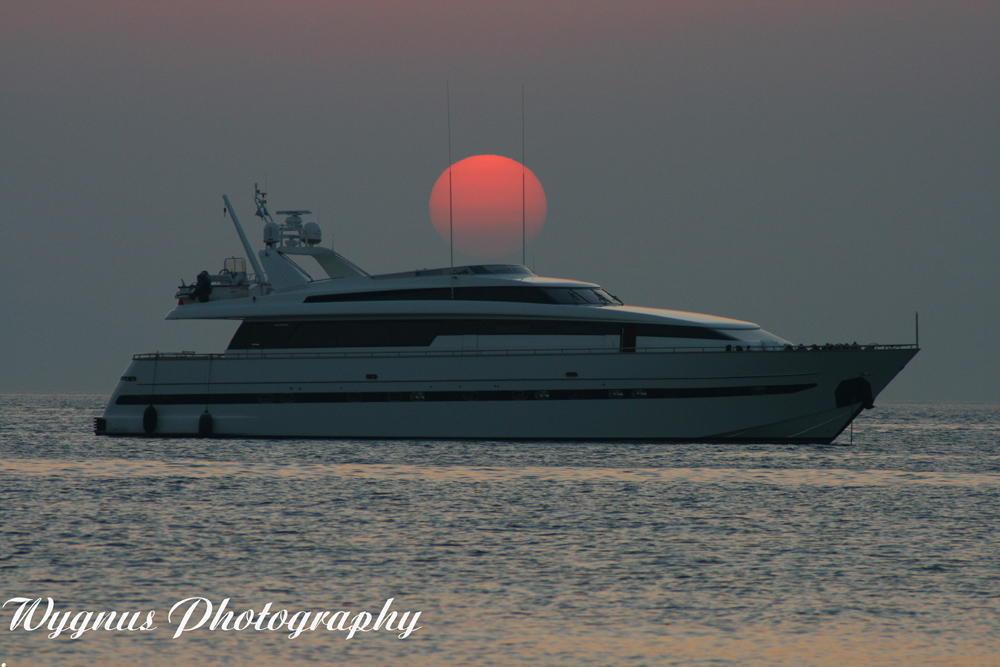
(518, 293)
(297, 335)
(581, 296)
(680, 331)
(421, 333)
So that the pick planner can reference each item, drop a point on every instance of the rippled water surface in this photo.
(884, 552)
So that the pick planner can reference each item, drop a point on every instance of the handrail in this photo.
(261, 354)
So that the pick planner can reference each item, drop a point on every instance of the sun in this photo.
(490, 197)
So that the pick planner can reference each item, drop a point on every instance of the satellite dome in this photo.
(272, 234)
(311, 233)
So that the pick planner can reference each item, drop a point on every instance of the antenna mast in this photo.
(451, 207)
(524, 214)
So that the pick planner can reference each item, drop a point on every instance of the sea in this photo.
(880, 549)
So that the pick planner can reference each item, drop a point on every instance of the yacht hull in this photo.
(784, 396)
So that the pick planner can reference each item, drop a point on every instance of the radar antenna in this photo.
(260, 198)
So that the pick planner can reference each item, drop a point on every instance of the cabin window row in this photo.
(510, 293)
(422, 333)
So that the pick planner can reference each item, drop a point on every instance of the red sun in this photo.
(490, 197)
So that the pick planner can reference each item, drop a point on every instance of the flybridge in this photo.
(293, 237)
(274, 268)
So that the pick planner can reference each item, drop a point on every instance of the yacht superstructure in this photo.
(476, 352)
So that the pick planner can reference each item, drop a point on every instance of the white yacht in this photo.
(476, 352)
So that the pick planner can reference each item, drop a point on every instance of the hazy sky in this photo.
(824, 169)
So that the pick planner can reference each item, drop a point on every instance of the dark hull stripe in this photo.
(456, 396)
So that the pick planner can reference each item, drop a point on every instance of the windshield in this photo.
(582, 296)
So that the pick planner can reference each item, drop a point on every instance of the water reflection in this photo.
(128, 468)
(515, 553)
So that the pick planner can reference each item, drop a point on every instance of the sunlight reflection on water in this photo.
(180, 468)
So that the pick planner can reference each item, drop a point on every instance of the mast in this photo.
(524, 203)
(261, 276)
(451, 205)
